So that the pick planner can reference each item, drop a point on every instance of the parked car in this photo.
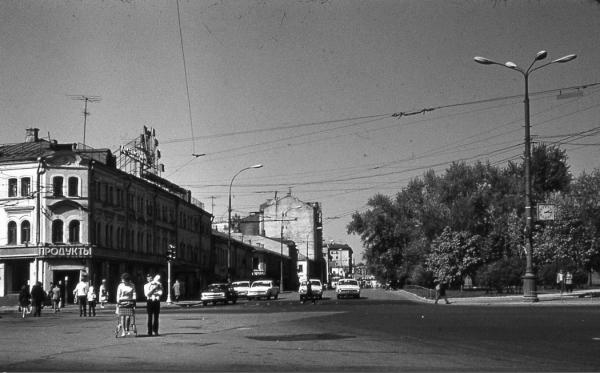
(219, 292)
(315, 285)
(241, 288)
(347, 287)
(263, 289)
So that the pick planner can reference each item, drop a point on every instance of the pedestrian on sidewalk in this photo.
(24, 301)
(63, 294)
(91, 301)
(153, 291)
(440, 292)
(177, 290)
(80, 292)
(560, 280)
(569, 282)
(37, 299)
(56, 295)
(103, 293)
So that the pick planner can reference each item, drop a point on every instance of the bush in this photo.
(419, 276)
(501, 274)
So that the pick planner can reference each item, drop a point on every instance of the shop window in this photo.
(57, 186)
(57, 231)
(12, 233)
(12, 187)
(25, 232)
(73, 186)
(74, 231)
(25, 187)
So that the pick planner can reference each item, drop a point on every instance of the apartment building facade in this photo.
(68, 212)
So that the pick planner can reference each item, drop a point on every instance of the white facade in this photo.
(69, 213)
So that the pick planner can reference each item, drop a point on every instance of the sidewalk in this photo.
(74, 308)
(578, 297)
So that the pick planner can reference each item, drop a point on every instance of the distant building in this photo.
(289, 218)
(339, 261)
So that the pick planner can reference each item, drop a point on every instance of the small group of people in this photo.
(85, 295)
(126, 302)
(564, 281)
(32, 301)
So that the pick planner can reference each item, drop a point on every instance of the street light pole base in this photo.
(529, 288)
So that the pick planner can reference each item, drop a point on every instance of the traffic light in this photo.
(171, 254)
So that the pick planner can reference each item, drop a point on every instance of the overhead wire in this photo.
(187, 86)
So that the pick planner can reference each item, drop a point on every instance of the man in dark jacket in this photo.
(37, 298)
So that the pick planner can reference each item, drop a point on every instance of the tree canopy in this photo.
(469, 221)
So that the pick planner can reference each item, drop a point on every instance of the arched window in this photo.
(12, 233)
(74, 231)
(57, 186)
(73, 189)
(25, 231)
(57, 231)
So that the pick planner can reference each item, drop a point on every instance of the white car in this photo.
(241, 288)
(263, 289)
(347, 287)
(316, 287)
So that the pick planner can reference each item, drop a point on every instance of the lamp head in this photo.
(566, 58)
(483, 60)
(256, 166)
(510, 65)
(541, 55)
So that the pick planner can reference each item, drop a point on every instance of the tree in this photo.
(454, 255)
(383, 240)
(569, 241)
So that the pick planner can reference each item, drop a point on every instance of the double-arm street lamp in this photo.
(529, 286)
(229, 220)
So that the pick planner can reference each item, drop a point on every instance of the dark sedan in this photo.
(218, 293)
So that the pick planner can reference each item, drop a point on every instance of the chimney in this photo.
(31, 134)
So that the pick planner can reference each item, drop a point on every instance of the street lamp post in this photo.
(529, 279)
(229, 220)
(307, 273)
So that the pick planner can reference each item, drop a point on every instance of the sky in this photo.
(338, 100)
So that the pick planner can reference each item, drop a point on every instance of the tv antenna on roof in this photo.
(86, 99)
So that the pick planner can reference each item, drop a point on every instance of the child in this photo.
(91, 299)
(103, 292)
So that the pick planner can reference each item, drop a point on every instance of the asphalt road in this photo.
(379, 332)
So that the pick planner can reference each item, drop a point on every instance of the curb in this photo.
(584, 297)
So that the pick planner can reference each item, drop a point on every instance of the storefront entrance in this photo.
(69, 280)
(17, 274)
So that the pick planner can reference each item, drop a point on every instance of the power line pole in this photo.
(86, 99)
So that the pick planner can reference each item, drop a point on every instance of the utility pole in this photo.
(86, 99)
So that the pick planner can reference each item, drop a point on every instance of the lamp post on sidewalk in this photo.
(229, 220)
(529, 279)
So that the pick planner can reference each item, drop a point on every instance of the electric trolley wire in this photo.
(187, 87)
